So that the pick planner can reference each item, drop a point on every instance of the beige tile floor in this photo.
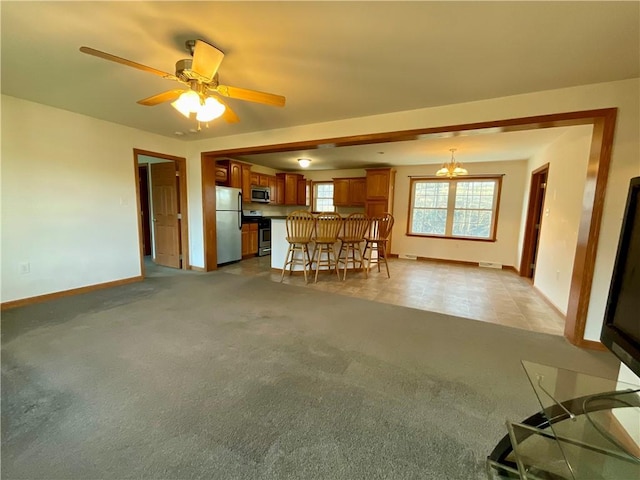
(485, 294)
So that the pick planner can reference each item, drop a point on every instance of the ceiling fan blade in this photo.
(129, 63)
(251, 95)
(167, 96)
(206, 60)
(229, 115)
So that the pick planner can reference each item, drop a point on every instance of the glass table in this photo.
(588, 428)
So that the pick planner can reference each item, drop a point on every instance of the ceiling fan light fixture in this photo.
(210, 110)
(180, 108)
(304, 162)
(188, 102)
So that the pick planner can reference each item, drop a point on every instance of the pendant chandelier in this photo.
(452, 168)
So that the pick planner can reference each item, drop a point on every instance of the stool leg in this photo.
(335, 260)
(286, 262)
(367, 267)
(384, 252)
(317, 252)
(357, 246)
(305, 249)
(346, 260)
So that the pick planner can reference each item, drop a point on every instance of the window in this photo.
(454, 208)
(323, 197)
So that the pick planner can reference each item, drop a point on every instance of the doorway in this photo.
(533, 224)
(162, 206)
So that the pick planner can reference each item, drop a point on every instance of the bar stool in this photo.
(328, 225)
(355, 229)
(376, 241)
(300, 225)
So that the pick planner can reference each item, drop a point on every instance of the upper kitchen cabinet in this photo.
(379, 182)
(278, 197)
(379, 191)
(295, 189)
(222, 175)
(349, 192)
(273, 189)
(246, 182)
(238, 175)
(234, 171)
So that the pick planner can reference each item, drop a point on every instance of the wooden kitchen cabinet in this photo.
(303, 191)
(222, 175)
(379, 183)
(273, 189)
(235, 175)
(376, 208)
(249, 239)
(279, 195)
(380, 190)
(246, 183)
(295, 192)
(234, 171)
(358, 191)
(349, 192)
(238, 176)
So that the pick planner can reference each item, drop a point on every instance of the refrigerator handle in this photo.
(239, 210)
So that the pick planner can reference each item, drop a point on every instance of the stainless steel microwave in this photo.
(260, 194)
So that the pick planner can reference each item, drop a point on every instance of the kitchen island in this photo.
(279, 246)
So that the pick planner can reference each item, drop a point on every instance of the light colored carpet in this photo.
(218, 376)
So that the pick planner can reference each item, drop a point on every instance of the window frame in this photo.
(314, 196)
(451, 206)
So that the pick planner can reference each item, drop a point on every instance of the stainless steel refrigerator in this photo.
(229, 224)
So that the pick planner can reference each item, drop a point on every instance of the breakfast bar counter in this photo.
(279, 245)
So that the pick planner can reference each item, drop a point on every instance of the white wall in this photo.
(625, 163)
(567, 157)
(502, 251)
(68, 199)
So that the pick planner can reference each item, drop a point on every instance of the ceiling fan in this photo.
(200, 75)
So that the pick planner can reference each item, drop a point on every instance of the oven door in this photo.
(264, 238)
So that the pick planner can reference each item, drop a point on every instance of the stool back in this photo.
(300, 225)
(381, 227)
(328, 225)
(355, 227)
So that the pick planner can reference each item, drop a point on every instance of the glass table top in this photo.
(593, 427)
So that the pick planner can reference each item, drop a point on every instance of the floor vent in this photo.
(490, 265)
(408, 256)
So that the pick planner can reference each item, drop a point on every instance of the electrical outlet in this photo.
(25, 267)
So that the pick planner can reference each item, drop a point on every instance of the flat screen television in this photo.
(621, 327)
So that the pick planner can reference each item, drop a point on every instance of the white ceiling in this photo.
(331, 60)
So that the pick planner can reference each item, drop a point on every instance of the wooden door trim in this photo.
(181, 164)
(210, 242)
(529, 227)
(603, 121)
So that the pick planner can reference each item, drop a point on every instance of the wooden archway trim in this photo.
(603, 122)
